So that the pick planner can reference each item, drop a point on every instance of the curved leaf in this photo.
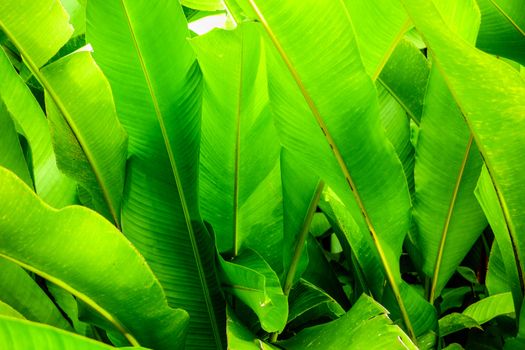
(204, 5)
(365, 326)
(22, 293)
(22, 335)
(92, 260)
(491, 96)
(490, 307)
(502, 29)
(50, 184)
(157, 89)
(239, 338)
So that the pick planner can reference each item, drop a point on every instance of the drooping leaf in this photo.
(448, 217)
(365, 326)
(90, 143)
(92, 260)
(22, 293)
(12, 156)
(50, 184)
(157, 90)
(488, 308)
(252, 280)
(502, 29)
(236, 127)
(22, 335)
(240, 338)
(491, 96)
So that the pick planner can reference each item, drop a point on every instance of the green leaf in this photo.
(45, 21)
(365, 326)
(310, 303)
(312, 103)
(157, 89)
(12, 156)
(22, 335)
(455, 322)
(77, 15)
(488, 308)
(22, 293)
(51, 185)
(6, 310)
(502, 31)
(91, 152)
(252, 280)
(488, 199)
(204, 5)
(240, 338)
(453, 298)
(497, 280)
(236, 125)
(405, 77)
(92, 260)
(378, 27)
(448, 217)
(491, 97)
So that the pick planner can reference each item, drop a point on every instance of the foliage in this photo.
(307, 175)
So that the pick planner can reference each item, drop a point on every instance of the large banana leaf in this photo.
(12, 156)
(321, 107)
(239, 143)
(143, 50)
(90, 143)
(491, 96)
(21, 292)
(92, 260)
(100, 147)
(486, 309)
(502, 29)
(365, 326)
(22, 335)
(378, 27)
(50, 184)
(446, 212)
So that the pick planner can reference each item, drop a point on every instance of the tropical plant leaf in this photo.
(365, 321)
(405, 77)
(240, 338)
(502, 31)
(77, 15)
(157, 90)
(21, 335)
(92, 260)
(455, 322)
(312, 105)
(476, 82)
(204, 5)
(6, 310)
(378, 27)
(448, 217)
(50, 184)
(236, 125)
(252, 280)
(497, 281)
(488, 199)
(93, 152)
(21, 292)
(488, 308)
(12, 156)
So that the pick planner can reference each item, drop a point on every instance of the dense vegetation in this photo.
(338, 174)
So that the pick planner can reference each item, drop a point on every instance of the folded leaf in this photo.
(365, 326)
(92, 260)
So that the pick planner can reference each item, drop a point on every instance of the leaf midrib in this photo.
(342, 165)
(69, 121)
(507, 17)
(448, 219)
(184, 205)
(103, 312)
